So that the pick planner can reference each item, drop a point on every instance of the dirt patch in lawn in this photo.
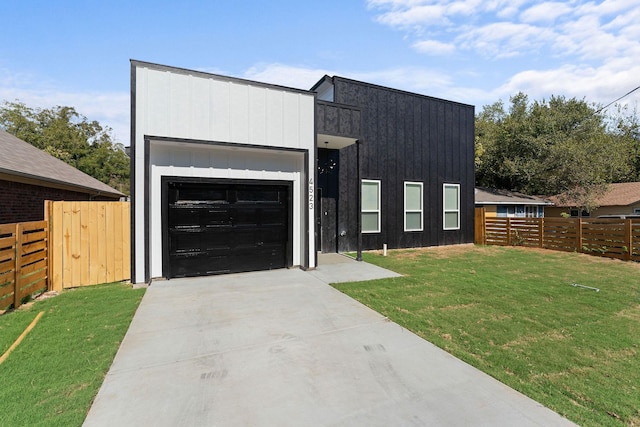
(438, 251)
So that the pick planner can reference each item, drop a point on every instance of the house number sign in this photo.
(311, 193)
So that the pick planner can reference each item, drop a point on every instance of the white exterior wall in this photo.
(177, 104)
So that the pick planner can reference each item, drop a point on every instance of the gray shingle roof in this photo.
(490, 196)
(21, 159)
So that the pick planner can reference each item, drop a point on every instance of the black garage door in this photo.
(226, 227)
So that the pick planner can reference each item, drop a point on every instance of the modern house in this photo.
(233, 175)
(620, 199)
(29, 176)
(510, 204)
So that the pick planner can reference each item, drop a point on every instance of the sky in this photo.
(77, 53)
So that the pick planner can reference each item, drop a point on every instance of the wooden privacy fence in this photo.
(613, 238)
(89, 243)
(23, 261)
(78, 244)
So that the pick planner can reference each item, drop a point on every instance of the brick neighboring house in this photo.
(620, 199)
(29, 176)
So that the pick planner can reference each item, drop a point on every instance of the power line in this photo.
(613, 102)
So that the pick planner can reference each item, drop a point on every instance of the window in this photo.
(412, 206)
(636, 211)
(370, 206)
(531, 211)
(506, 211)
(451, 203)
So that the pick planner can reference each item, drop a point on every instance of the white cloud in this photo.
(595, 85)
(423, 15)
(505, 29)
(545, 12)
(505, 39)
(285, 75)
(415, 79)
(434, 47)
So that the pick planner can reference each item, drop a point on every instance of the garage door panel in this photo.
(202, 264)
(202, 216)
(246, 216)
(273, 216)
(232, 228)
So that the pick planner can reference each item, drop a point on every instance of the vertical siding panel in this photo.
(239, 113)
(219, 110)
(180, 106)
(291, 119)
(424, 171)
(434, 181)
(199, 114)
(401, 142)
(389, 177)
(257, 116)
(157, 102)
(275, 117)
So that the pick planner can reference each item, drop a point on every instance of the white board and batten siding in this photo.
(192, 106)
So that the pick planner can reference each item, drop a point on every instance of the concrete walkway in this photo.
(283, 348)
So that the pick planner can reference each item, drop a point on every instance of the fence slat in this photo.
(94, 242)
(56, 254)
(84, 248)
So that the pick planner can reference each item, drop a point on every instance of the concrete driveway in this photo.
(283, 348)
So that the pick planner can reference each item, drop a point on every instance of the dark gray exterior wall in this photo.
(406, 137)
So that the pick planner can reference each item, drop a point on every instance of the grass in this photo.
(513, 313)
(52, 377)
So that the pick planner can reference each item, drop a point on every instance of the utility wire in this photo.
(612, 102)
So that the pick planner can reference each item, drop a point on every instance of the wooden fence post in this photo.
(480, 227)
(508, 231)
(47, 218)
(541, 232)
(579, 235)
(17, 295)
(628, 239)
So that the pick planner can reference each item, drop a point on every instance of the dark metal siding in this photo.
(407, 137)
(335, 119)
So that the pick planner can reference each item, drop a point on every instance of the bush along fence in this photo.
(612, 238)
(78, 244)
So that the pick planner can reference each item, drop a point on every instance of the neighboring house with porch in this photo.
(510, 204)
(234, 175)
(29, 176)
(619, 199)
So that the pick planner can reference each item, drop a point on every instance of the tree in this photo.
(71, 137)
(560, 146)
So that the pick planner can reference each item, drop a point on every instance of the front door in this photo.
(328, 177)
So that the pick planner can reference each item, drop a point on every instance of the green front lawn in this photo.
(513, 313)
(52, 377)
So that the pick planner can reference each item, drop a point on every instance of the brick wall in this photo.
(24, 202)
